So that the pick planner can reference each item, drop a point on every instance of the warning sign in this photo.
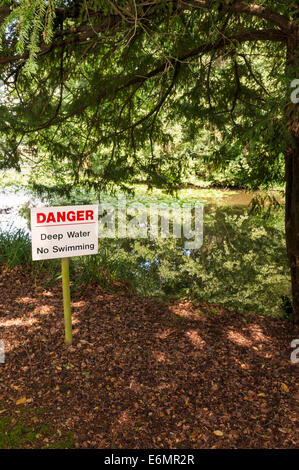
(64, 232)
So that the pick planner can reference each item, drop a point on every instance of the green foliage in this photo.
(30, 21)
(67, 443)
(100, 94)
(18, 433)
(15, 436)
(109, 103)
(15, 248)
(242, 264)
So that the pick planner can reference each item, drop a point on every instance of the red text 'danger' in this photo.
(65, 216)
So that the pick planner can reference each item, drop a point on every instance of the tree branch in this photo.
(239, 6)
(261, 12)
(222, 43)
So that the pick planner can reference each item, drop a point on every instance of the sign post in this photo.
(61, 232)
(65, 271)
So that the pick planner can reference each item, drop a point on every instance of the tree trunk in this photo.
(292, 176)
(292, 221)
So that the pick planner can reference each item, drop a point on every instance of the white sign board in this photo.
(65, 231)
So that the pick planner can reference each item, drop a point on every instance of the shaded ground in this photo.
(141, 373)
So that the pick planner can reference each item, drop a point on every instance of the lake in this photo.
(242, 263)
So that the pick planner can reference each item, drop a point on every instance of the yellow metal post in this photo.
(65, 270)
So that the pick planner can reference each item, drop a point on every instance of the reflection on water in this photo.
(11, 204)
(241, 265)
(238, 198)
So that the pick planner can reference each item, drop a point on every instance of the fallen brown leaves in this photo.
(142, 373)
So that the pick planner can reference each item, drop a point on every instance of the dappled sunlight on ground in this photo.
(25, 300)
(17, 322)
(142, 373)
(238, 338)
(48, 293)
(79, 304)
(195, 339)
(159, 356)
(165, 333)
(257, 334)
(44, 310)
(185, 309)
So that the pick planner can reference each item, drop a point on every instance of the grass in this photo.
(67, 443)
(18, 433)
(15, 436)
(15, 248)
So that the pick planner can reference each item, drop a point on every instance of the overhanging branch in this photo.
(239, 7)
(140, 78)
(261, 12)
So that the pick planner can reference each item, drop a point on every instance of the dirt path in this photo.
(141, 373)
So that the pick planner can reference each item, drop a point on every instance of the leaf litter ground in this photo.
(142, 373)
